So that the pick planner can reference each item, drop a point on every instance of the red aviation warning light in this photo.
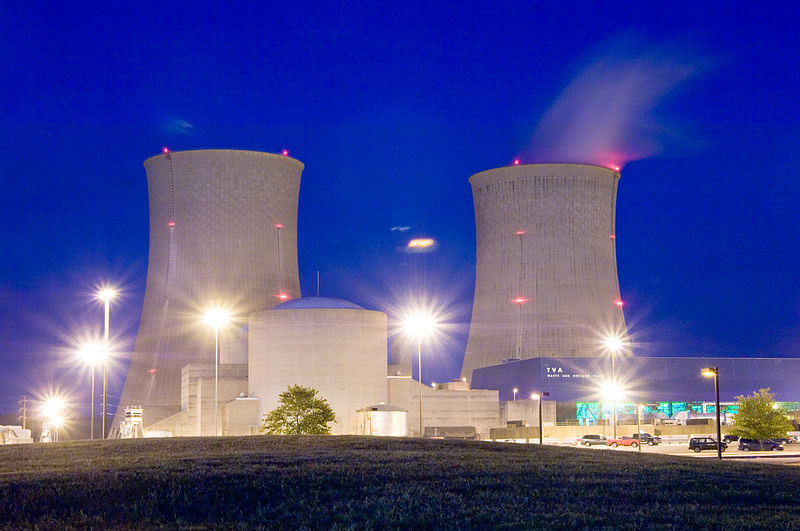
(520, 232)
(152, 371)
(165, 149)
(612, 236)
(619, 303)
(519, 300)
(516, 162)
(279, 226)
(616, 168)
(171, 224)
(282, 296)
(285, 152)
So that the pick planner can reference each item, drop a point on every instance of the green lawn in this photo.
(330, 482)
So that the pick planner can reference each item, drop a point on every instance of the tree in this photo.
(301, 412)
(759, 417)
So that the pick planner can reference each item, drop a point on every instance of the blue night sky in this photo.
(391, 109)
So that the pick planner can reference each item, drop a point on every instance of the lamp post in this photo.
(714, 371)
(538, 396)
(611, 391)
(515, 394)
(105, 294)
(91, 354)
(419, 325)
(639, 423)
(52, 412)
(216, 318)
(613, 345)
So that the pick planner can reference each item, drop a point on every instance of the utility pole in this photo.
(24, 409)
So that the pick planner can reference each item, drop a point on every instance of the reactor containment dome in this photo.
(332, 345)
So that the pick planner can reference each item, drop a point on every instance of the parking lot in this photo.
(789, 456)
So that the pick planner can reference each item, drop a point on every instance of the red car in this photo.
(622, 441)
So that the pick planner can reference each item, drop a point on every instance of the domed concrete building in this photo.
(332, 345)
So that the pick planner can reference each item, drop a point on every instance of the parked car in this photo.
(730, 438)
(622, 441)
(646, 438)
(698, 444)
(591, 440)
(784, 440)
(746, 445)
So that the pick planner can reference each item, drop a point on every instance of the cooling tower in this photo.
(332, 345)
(546, 279)
(223, 231)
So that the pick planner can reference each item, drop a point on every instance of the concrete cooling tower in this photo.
(546, 280)
(223, 231)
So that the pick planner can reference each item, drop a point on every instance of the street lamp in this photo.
(613, 344)
(714, 371)
(515, 394)
(91, 354)
(537, 396)
(639, 408)
(419, 325)
(52, 412)
(105, 295)
(216, 318)
(613, 392)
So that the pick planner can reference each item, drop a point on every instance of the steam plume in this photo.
(606, 114)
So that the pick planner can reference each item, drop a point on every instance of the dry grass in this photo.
(355, 482)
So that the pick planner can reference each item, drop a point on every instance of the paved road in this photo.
(789, 456)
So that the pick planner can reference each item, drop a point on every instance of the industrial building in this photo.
(223, 231)
(668, 385)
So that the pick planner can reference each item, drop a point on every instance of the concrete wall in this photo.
(213, 241)
(527, 412)
(477, 407)
(339, 352)
(544, 234)
(240, 416)
(197, 399)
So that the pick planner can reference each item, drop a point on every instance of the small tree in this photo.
(759, 418)
(301, 412)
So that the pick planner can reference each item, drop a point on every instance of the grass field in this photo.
(356, 482)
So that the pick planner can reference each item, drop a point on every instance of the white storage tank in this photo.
(332, 345)
(383, 420)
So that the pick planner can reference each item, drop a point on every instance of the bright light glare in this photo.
(708, 371)
(535, 396)
(92, 353)
(216, 318)
(106, 294)
(56, 422)
(519, 300)
(52, 408)
(420, 325)
(613, 343)
(612, 391)
(421, 243)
